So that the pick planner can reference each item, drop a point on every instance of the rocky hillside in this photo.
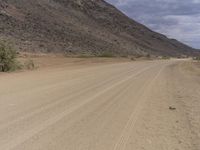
(88, 27)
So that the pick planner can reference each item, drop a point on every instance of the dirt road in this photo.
(149, 105)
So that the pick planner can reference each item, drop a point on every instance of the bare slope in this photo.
(80, 26)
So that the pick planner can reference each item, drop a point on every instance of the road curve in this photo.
(120, 106)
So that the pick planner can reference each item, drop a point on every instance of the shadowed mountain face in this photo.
(80, 26)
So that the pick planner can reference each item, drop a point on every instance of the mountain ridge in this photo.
(81, 27)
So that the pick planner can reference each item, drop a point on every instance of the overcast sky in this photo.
(178, 19)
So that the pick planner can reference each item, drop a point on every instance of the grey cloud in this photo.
(178, 19)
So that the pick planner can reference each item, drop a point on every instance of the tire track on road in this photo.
(49, 122)
(121, 144)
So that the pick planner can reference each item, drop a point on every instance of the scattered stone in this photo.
(172, 108)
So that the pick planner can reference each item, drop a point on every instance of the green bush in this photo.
(85, 56)
(7, 57)
(138, 55)
(165, 57)
(132, 59)
(148, 56)
(29, 64)
(106, 54)
(196, 58)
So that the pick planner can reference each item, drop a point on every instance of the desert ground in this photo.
(103, 104)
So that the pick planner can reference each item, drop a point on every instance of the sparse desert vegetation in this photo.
(196, 58)
(165, 57)
(8, 56)
(9, 61)
(106, 54)
(29, 64)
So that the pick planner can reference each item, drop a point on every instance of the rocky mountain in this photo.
(88, 27)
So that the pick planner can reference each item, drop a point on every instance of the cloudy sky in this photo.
(178, 19)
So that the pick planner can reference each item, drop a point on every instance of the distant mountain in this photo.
(80, 26)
